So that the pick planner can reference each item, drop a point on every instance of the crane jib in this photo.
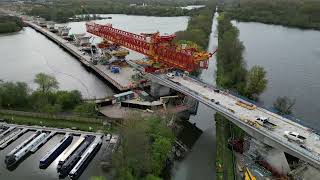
(157, 47)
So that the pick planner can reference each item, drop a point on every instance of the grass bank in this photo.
(224, 156)
(79, 124)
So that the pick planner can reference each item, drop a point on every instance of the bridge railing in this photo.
(257, 103)
(280, 139)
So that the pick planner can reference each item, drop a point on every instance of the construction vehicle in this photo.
(250, 122)
(248, 175)
(115, 69)
(246, 105)
(158, 48)
(264, 122)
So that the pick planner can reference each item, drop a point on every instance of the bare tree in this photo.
(284, 105)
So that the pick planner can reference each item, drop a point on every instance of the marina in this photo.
(75, 158)
(86, 158)
(55, 152)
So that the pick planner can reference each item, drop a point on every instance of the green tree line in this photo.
(198, 29)
(231, 67)
(62, 10)
(10, 24)
(297, 13)
(47, 98)
(145, 146)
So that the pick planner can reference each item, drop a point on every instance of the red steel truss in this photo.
(156, 47)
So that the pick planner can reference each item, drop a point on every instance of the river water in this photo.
(291, 58)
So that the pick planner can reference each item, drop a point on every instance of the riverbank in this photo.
(295, 13)
(224, 156)
(10, 24)
(57, 121)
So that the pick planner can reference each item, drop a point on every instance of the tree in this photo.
(14, 95)
(68, 99)
(46, 82)
(86, 109)
(231, 67)
(145, 146)
(152, 177)
(133, 156)
(160, 151)
(256, 82)
(284, 105)
(41, 101)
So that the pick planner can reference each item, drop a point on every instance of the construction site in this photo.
(161, 83)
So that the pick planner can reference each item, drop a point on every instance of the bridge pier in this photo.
(273, 156)
(158, 90)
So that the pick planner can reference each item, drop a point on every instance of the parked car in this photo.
(212, 100)
(294, 136)
(170, 75)
(216, 90)
(217, 103)
(265, 122)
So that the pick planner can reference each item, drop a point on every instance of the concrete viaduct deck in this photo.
(237, 114)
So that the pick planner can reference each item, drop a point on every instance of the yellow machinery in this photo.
(250, 122)
(246, 105)
(248, 175)
(121, 52)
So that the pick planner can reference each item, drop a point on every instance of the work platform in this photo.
(122, 81)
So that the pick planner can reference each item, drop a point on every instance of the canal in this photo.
(200, 162)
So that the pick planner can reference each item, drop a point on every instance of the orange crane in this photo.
(157, 47)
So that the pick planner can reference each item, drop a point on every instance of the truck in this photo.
(294, 136)
(265, 122)
(115, 69)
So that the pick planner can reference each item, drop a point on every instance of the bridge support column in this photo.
(273, 156)
(158, 90)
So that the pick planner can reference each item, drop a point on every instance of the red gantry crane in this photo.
(156, 47)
